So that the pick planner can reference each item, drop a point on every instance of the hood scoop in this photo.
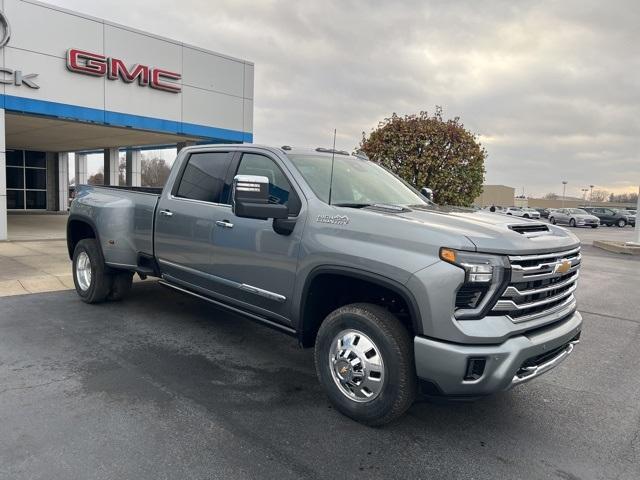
(530, 229)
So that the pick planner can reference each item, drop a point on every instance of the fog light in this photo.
(475, 368)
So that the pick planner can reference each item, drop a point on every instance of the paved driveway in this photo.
(163, 386)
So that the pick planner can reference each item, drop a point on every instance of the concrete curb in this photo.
(617, 247)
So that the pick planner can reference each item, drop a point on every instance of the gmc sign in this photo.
(114, 69)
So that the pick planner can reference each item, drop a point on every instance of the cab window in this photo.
(204, 178)
(280, 190)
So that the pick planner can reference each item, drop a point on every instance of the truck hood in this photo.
(491, 232)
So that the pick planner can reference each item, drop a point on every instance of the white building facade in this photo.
(73, 83)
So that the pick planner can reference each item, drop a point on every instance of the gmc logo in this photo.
(99, 66)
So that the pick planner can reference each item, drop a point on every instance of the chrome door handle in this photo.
(166, 213)
(224, 224)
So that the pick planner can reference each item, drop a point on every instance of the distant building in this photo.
(499, 195)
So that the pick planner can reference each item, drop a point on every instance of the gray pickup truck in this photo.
(397, 295)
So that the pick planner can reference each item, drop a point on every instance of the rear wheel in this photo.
(364, 361)
(621, 223)
(90, 274)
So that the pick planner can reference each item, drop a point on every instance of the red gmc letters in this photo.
(99, 66)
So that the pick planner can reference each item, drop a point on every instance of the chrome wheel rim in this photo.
(83, 271)
(356, 366)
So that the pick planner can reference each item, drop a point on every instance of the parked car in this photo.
(523, 212)
(395, 294)
(531, 213)
(574, 217)
(609, 216)
(630, 215)
(546, 212)
(494, 209)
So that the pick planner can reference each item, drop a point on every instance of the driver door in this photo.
(256, 266)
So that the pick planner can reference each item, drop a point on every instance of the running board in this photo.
(266, 321)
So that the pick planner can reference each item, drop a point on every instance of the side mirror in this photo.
(250, 199)
(427, 192)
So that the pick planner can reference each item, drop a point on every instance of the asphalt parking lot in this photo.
(164, 386)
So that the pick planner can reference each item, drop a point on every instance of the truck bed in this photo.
(124, 217)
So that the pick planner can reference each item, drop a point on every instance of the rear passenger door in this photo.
(186, 215)
(561, 216)
(255, 266)
(609, 215)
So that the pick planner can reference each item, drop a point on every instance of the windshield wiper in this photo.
(352, 205)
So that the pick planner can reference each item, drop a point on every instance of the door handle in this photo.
(166, 213)
(224, 224)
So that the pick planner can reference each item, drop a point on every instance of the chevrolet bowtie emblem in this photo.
(563, 266)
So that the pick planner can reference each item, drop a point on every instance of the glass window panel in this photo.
(36, 178)
(35, 159)
(204, 177)
(15, 199)
(14, 158)
(36, 200)
(15, 177)
(279, 188)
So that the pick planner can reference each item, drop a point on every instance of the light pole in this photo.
(591, 195)
(564, 189)
(584, 194)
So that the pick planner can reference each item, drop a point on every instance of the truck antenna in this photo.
(333, 158)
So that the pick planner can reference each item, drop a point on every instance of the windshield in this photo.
(356, 182)
(578, 211)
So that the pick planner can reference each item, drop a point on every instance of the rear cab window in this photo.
(204, 178)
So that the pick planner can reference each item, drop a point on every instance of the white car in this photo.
(523, 212)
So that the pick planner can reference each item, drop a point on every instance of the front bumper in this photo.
(517, 360)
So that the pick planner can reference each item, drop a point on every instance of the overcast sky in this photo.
(552, 88)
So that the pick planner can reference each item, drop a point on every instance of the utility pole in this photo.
(591, 195)
(564, 190)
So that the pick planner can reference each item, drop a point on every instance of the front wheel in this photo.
(526, 215)
(364, 361)
(552, 220)
(572, 222)
(90, 274)
(594, 226)
(621, 223)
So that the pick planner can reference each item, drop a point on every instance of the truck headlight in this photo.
(486, 277)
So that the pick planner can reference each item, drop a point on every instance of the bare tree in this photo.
(155, 172)
(624, 198)
(550, 196)
(599, 196)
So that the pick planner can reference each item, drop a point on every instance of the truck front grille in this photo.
(541, 285)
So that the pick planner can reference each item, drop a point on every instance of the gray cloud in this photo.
(552, 88)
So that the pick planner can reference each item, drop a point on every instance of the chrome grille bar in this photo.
(509, 305)
(512, 291)
(541, 286)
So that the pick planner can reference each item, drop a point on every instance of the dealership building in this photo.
(74, 83)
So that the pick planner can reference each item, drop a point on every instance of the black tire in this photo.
(572, 222)
(396, 349)
(552, 220)
(101, 278)
(594, 226)
(621, 223)
(121, 285)
(526, 215)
